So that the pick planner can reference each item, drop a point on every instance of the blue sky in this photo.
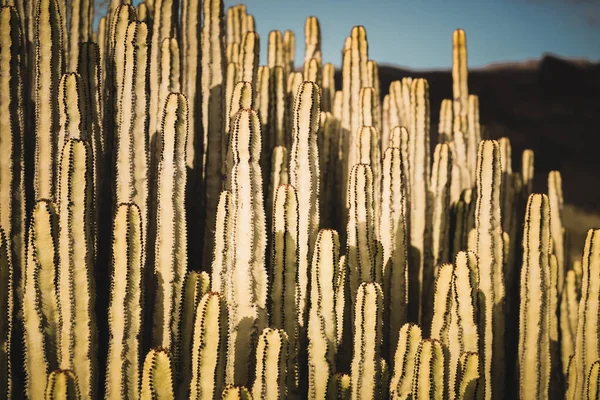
(418, 33)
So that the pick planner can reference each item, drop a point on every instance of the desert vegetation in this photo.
(178, 221)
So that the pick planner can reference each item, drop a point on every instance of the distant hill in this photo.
(551, 105)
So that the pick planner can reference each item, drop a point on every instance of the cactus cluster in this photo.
(178, 222)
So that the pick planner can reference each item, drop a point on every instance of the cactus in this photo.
(75, 283)
(284, 295)
(6, 324)
(312, 35)
(568, 318)
(82, 15)
(62, 385)
(250, 47)
(445, 125)
(279, 175)
(368, 153)
(322, 335)
(460, 89)
(278, 123)
(170, 263)
(209, 348)
(223, 252)
(468, 376)
(271, 365)
(275, 52)
(126, 304)
(157, 376)
(367, 371)
(339, 387)
(393, 232)
(556, 209)
(328, 87)
(289, 50)
(593, 381)
(586, 349)
(489, 248)
(40, 308)
(195, 286)
(527, 171)
(232, 392)
(534, 321)
(409, 340)
(429, 375)
(48, 68)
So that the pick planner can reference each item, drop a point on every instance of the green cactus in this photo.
(284, 294)
(393, 232)
(75, 283)
(126, 304)
(157, 376)
(467, 378)
(170, 262)
(322, 332)
(48, 68)
(534, 321)
(271, 365)
(409, 340)
(586, 348)
(367, 374)
(6, 324)
(429, 376)
(489, 247)
(12, 134)
(40, 307)
(209, 348)
(62, 385)
(196, 285)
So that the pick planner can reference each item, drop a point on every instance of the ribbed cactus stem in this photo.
(48, 68)
(247, 281)
(12, 133)
(6, 320)
(157, 376)
(429, 376)
(593, 381)
(74, 121)
(232, 392)
(534, 320)
(223, 252)
(196, 285)
(213, 103)
(361, 247)
(409, 340)
(312, 41)
(82, 16)
(368, 152)
(373, 81)
(278, 123)
(126, 304)
(460, 88)
(75, 283)
(445, 126)
(473, 134)
(569, 305)
(170, 262)
(131, 136)
(328, 144)
(275, 52)
(231, 80)
(62, 385)
(284, 312)
(527, 171)
(209, 348)
(234, 23)
(588, 338)
(467, 378)
(367, 374)
(249, 53)
(279, 175)
(327, 87)
(170, 69)
(313, 71)
(304, 174)
(340, 387)
(555, 195)
(271, 365)
(393, 232)
(440, 188)
(322, 334)
(190, 81)
(289, 48)
(40, 308)
(489, 247)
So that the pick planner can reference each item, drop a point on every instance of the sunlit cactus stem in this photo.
(340, 387)
(459, 73)
(555, 195)
(232, 392)
(170, 262)
(209, 348)
(157, 376)
(62, 385)
(467, 377)
(81, 20)
(312, 34)
(6, 318)
(409, 340)
(77, 339)
(534, 321)
(569, 305)
(429, 375)
(48, 68)
(126, 304)
(271, 365)
(367, 374)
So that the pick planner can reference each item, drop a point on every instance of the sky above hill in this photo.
(418, 33)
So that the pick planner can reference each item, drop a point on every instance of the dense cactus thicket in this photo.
(178, 221)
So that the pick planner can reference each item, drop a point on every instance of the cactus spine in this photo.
(271, 365)
(170, 263)
(534, 321)
(62, 385)
(209, 348)
(6, 320)
(586, 342)
(468, 376)
(232, 392)
(75, 283)
(367, 365)
(322, 333)
(489, 248)
(428, 380)
(126, 304)
(82, 15)
(409, 340)
(157, 376)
